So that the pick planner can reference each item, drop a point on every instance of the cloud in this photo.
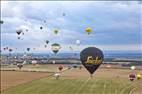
(113, 23)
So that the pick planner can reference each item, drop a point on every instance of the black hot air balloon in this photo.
(1, 22)
(19, 31)
(28, 49)
(41, 27)
(10, 50)
(91, 58)
(47, 41)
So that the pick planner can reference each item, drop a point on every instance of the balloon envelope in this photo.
(56, 31)
(132, 77)
(1, 22)
(41, 27)
(88, 30)
(55, 47)
(91, 58)
(139, 76)
(133, 67)
(47, 41)
(28, 49)
(19, 31)
(60, 67)
(78, 42)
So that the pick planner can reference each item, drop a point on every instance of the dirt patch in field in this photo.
(13, 78)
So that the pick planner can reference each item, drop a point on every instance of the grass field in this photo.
(75, 81)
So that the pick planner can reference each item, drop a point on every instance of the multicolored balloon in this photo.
(132, 77)
(55, 47)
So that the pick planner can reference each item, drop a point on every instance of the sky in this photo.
(116, 25)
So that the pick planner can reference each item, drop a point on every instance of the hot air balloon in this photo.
(132, 77)
(133, 67)
(44, 21)
(53, 61)
(45, 46)
(1, 22)
(64, 14)
(10, 50)
(27, 30)
(18, 37)
(34, 62)
(60, 68)
(7, 48)
(139, 76)
(78, 42)
(41, 27)
(4, 49)
(47, 41)
(19, 31)
(56, 31)
(28, 49)
(23, 33)
(88, 30)
(20, 66)
(55, 47)
(91, 58)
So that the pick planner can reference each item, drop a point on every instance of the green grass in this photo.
(73, 86)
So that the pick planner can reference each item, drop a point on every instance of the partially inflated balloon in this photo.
(91, 58)
(55, 47)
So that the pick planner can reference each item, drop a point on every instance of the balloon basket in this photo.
(91, 75)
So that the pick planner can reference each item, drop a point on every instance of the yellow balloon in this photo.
(139, 76)
(88, 30)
